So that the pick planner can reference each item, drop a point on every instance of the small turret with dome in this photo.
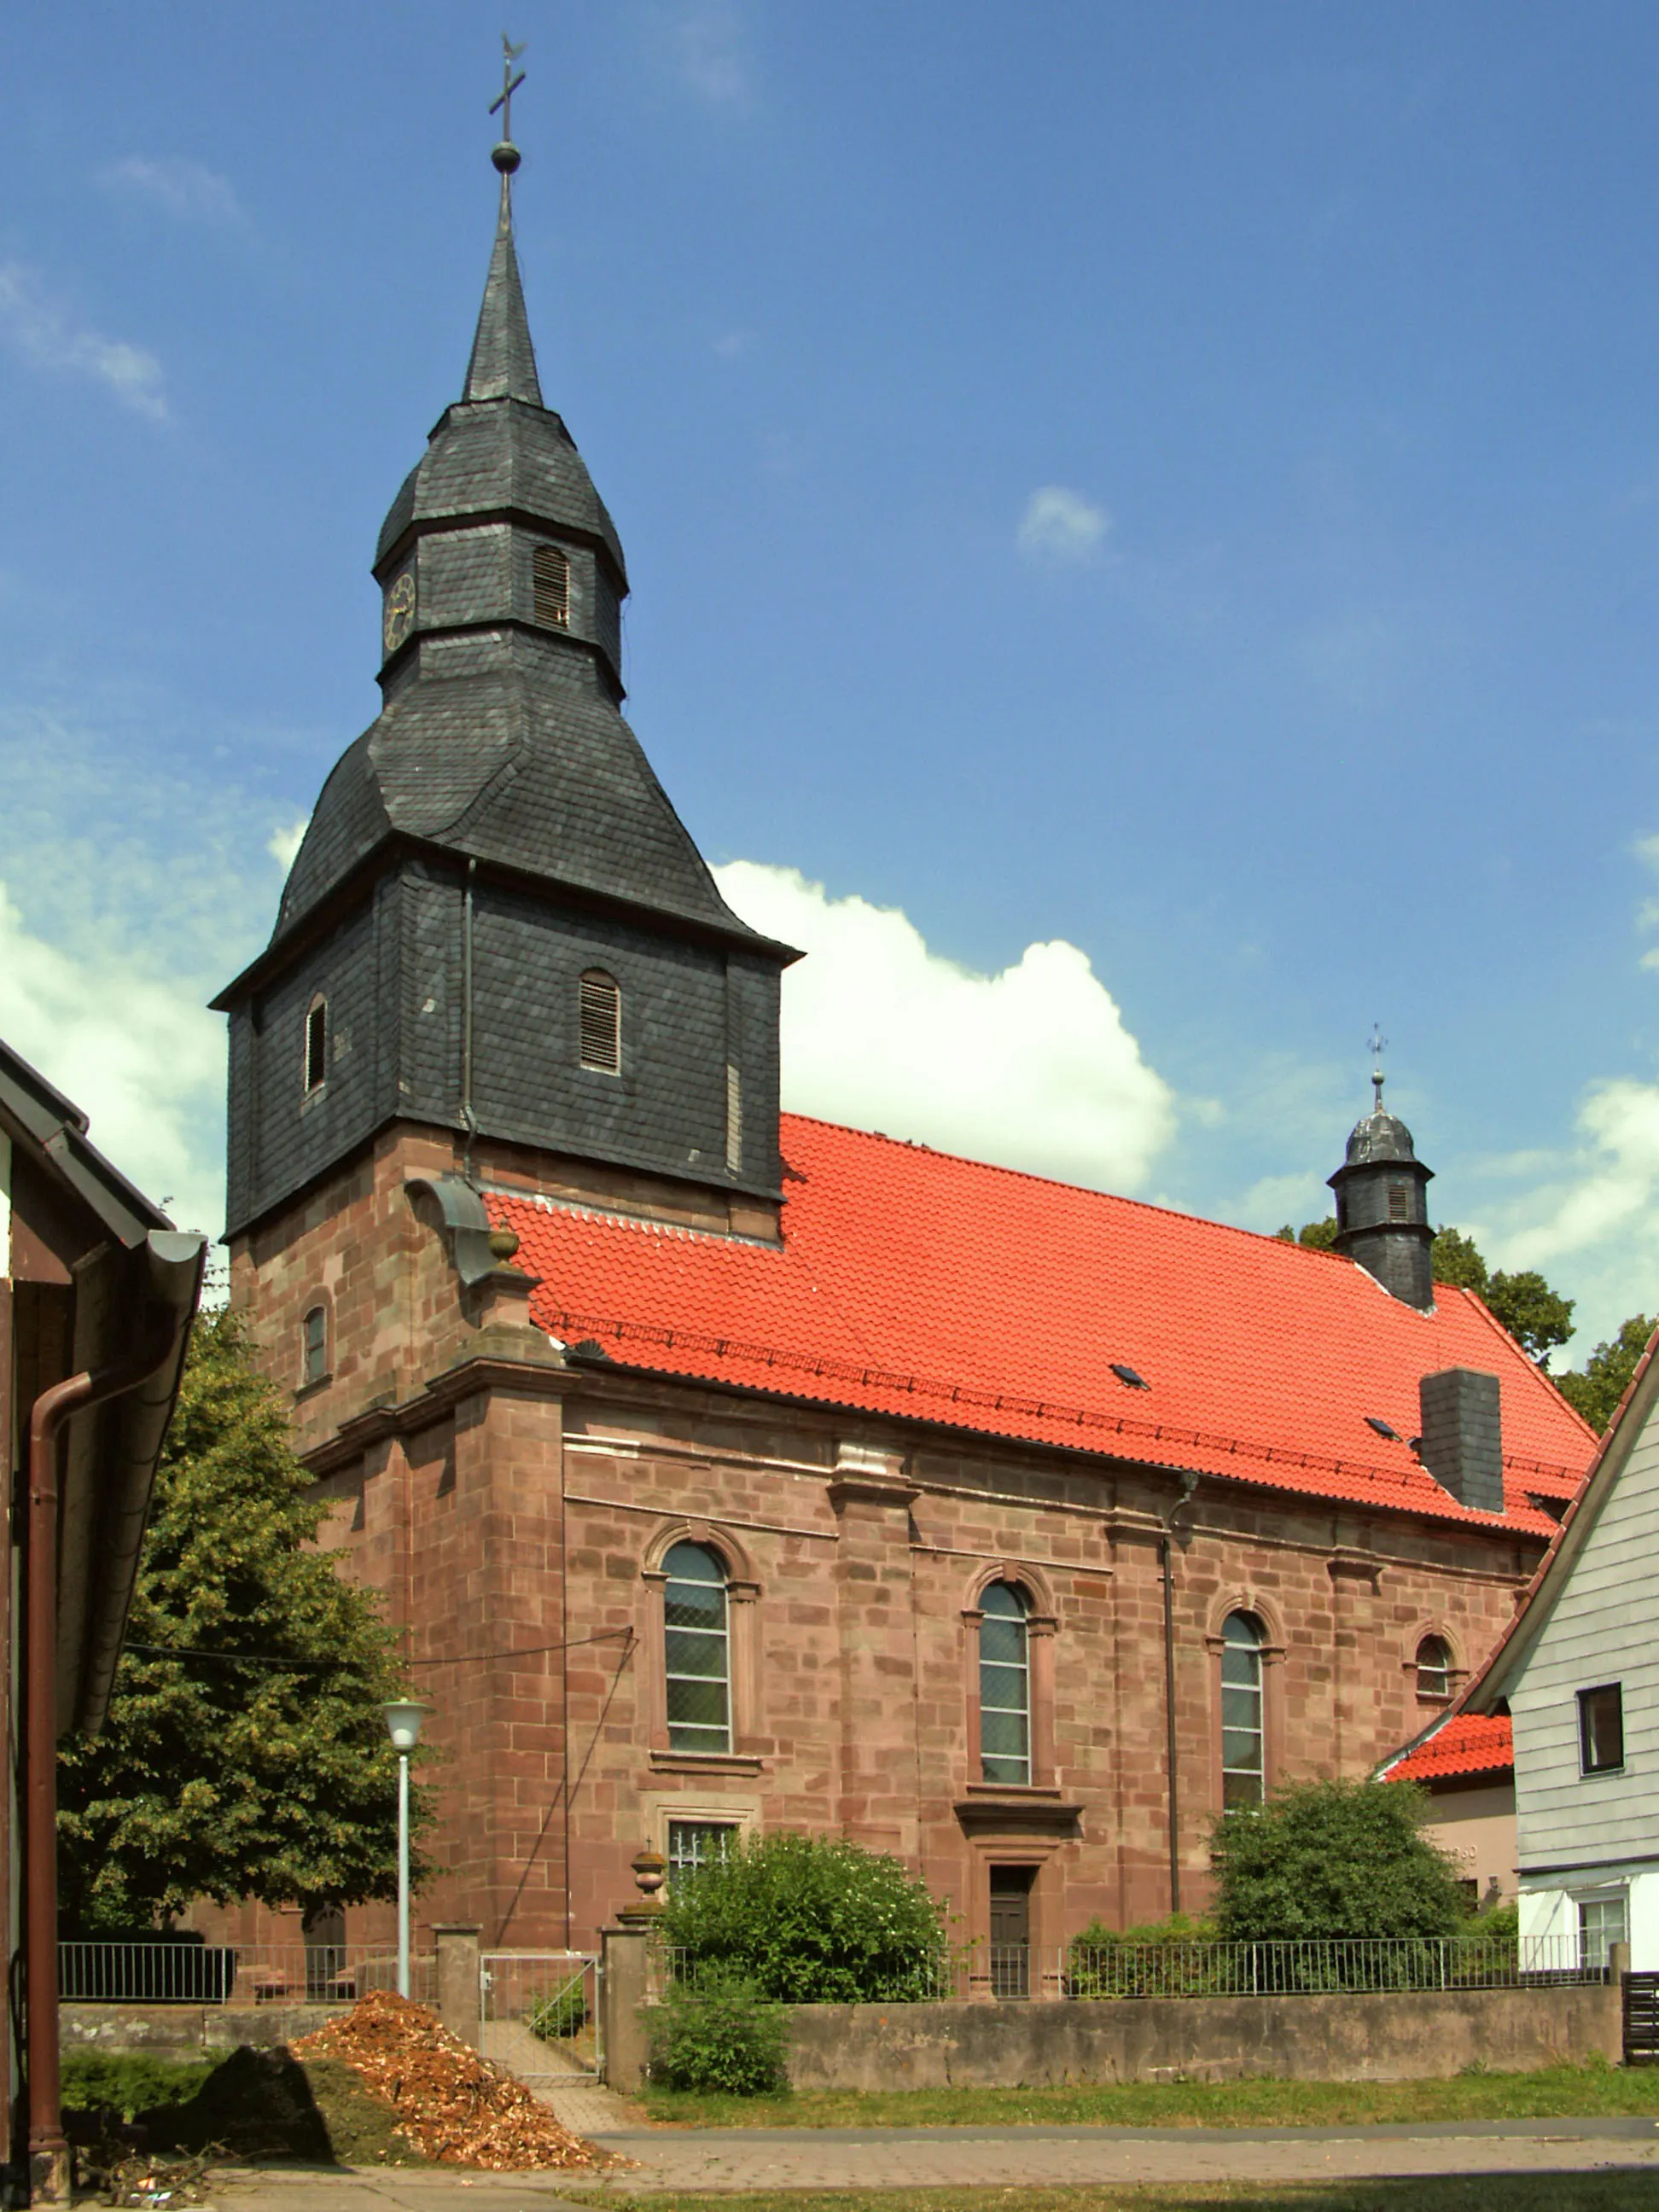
(1381, 1200)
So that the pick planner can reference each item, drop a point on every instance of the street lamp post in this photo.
(403, 1723)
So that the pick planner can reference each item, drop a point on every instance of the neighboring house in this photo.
(96, 1299)
(725, 1470)
(1577, 1673)
(1467, 1765)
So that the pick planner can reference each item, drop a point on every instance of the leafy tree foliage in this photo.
(1324, 1860)
(809, 1920)
(718, 2034)
(1457, 1259)
(239, 1775)
(1606, 1376)
(1320, 1235)
(1537, 1317)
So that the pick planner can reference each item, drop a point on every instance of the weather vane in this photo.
(1376, 1047)
(509, 85)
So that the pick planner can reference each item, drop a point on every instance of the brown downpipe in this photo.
(1167, 1562)
(53, 1406)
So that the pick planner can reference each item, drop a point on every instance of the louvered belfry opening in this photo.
(601, 1023)
(551, 573)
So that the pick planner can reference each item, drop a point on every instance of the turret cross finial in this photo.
(509, 86)
(1378, 1046)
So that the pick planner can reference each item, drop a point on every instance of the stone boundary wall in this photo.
(1402, 2036)
(185, 2031)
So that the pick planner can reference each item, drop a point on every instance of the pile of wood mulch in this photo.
(452, 2105)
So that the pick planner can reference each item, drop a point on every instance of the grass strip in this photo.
(1546, 2192)
(1556, 2093)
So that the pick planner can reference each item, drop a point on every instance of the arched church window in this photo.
(1434, 1661)
(1243, 1742)
(696, 1650)
(1005, 1686)
(550, 577)
(313, 1362)
(316, 1044)
(601, 1023)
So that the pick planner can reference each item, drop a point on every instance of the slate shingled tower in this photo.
(1382, 1206)
(496, 922)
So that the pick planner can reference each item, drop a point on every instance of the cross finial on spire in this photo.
(1378, 1046)
(505, 154)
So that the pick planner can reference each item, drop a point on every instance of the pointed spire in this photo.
(503, 363)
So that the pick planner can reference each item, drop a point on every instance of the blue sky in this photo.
(1177, 488)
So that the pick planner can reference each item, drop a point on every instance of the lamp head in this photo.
(403, 1722)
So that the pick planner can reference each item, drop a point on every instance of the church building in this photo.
(725, 1470)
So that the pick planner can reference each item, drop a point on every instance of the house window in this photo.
(1005, 1686)
(1601, 1728)
(1434, 1667)
(550, 577)
(601, 1023)
(313, 1364)
(696, 1651)
(1602, 1920)
(1244, 1766)
(316, 1044)
(695, 1844)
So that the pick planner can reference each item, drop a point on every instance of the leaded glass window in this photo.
(1005, 1686)
(1244, 1767)
(698, 1650)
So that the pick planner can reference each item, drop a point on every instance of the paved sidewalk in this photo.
(923, 2158)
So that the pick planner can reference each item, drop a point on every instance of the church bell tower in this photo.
(497, 926)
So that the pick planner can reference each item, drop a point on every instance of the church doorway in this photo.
(1011, 1931)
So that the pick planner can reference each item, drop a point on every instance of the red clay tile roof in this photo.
(912, 1284)
(1468, 1743)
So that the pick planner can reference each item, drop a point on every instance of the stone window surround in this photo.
(1041, 1626)
(1271, 1651)
(743, 1592)
(727, 1808)
(1457, 1672)
(318, 1301)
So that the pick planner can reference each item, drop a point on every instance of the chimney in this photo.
(1462, 1441)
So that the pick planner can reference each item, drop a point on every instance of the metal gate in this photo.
(1641, 2016)
(539, 2014)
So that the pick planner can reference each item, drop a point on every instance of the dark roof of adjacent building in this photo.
(912, 1283)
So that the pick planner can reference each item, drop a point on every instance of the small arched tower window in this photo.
(550, 579)
(696, 1650)
(1243, 1764)
(1434, 1661)
(313, 1358)
(1005, 1686)
(316, 1044)
(601, 1023)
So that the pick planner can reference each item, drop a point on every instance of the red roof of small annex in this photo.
(912, 1284)
(1468, 1743)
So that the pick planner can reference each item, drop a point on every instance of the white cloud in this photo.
(43, 331)
(184, 190)
(710, 53)
(283, 844)
(136, 1050)
(1059, 525)
(1031, 1068)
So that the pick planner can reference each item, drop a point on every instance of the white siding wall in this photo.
(1604, 1628)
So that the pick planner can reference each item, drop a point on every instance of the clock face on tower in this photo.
(399, 611)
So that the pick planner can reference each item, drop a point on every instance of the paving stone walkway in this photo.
(921, 2158)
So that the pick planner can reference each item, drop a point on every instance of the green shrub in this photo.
(1160, 1959)
(105, 2080)
(1321, 1861)
(810, 1920)
(718, 2033)
(562, 2012)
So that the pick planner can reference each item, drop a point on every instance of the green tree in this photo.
(809, 1920)
(1604, 1378)
(1324, 1860)
(1537, 1317)
(1320, 1235)
(265, 1774)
